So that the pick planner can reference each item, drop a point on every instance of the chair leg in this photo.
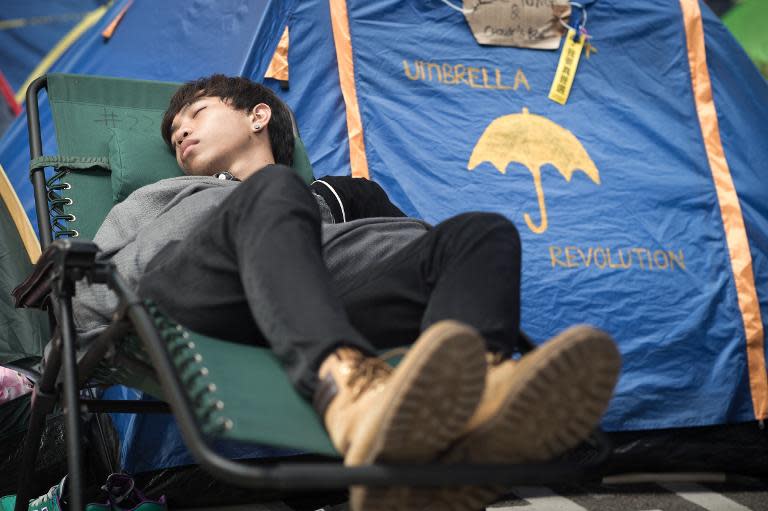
(41, 406)
(71, 406)
(44, 398)
(111, 463)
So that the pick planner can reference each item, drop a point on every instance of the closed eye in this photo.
(198, 111)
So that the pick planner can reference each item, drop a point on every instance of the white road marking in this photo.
(540, 499)
(704, 497)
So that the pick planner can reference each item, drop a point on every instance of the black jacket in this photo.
(351, 198)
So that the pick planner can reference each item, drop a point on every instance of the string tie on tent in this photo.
(580, 27)
(455, 7)
(580, 24)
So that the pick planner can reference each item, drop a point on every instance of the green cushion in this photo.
(86, 110)
(138, 158)
(301, 161)
(118, 118)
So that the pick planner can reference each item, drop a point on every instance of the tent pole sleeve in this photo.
(358, 161)
(730, 208)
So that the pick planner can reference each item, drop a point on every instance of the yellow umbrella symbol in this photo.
(533, 141)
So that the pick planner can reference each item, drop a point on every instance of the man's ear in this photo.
(260, 117)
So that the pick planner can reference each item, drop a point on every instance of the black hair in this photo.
(241, 94)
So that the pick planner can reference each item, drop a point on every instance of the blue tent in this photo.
(29, 29)
(31, 32)
(639, 201)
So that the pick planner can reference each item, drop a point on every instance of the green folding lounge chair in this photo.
(107, 132)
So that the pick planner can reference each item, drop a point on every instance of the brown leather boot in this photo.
(348, 381)
(533, 409)
(409, 414)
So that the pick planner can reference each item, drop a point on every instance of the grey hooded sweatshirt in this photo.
(135, 230)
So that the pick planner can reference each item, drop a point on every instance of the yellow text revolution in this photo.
(617, 259)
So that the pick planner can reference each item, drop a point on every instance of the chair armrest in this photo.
(60, 255)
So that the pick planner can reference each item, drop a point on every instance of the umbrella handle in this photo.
(538, 229)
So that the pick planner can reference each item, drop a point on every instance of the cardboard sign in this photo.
(523, 23)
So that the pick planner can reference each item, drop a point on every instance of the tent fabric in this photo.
(7, 94)
(730, 209)
(645, 247)
(29, 29)
(342, 39)
(6, 117)
(152, 442)
(183, 31)
(24, 333)
(9, 108)
(42, 67)
(278, 68)
(314, 94)
(109, 30)
(18, 216)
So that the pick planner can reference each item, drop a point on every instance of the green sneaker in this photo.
(51, 501)
(122, 495)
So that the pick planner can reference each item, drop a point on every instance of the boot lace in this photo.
(366, 374)
(495, 358)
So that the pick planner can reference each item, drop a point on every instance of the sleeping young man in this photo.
(329, 275)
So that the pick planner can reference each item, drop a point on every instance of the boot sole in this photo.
(432, 394)
(554, 401)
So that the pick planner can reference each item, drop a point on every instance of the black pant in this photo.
(253, 272)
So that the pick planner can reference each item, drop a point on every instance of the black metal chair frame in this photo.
(66, 261)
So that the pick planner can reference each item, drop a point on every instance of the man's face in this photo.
(208, 136)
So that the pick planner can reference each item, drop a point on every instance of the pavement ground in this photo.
(709, 492)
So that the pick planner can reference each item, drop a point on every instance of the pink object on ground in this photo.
(12, 385)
